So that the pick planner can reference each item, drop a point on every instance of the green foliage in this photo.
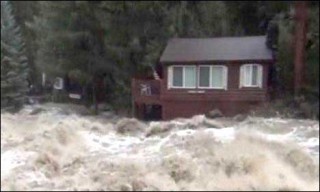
(312, 72)
(285, 57)
(24, 12)
(68, 38)
(79, 76)
(285, 54)
(14, 64)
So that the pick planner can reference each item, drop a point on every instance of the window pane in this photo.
(177, 76)
(204, 73)
(217, 77)
(190, 77)
(247, 76)
(254, 75)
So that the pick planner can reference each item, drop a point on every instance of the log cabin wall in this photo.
(234, 100)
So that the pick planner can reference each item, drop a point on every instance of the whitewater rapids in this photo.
(59, 150)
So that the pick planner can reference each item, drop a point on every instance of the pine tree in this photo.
(14, 64)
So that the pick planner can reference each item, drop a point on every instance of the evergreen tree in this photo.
(24, 12)
(14, 65)
(136, 34)
(312, 48)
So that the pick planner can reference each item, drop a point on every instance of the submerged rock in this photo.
(130, 125)
(160, 128)
(240, 117)
(214, 114)
(36, 111)
(212, 124)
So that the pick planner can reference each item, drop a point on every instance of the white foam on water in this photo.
(223, 134)
(65, 153)
(12, 159)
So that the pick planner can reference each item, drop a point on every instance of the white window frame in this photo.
(170, 77)
(243, 74)
(225, 77)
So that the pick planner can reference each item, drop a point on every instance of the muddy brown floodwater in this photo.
(59, 149)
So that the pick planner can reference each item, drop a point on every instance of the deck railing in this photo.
(145, 89)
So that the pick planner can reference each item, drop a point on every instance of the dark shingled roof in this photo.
(216, 49)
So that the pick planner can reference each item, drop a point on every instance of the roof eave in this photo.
(216, 61)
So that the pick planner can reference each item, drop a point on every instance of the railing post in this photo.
(133, 110)
(161, 87)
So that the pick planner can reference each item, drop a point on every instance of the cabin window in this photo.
(177, 76)
(190, 77)
(182, 76)
(217, 77)
(204, 76)
(213, 77)
(251, 75)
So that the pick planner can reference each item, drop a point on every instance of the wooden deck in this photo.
(146, 91)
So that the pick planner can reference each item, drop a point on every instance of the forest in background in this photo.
(123, 39)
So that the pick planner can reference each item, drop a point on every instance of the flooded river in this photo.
(57, 149)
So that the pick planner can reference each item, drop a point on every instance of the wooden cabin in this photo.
(201, 74)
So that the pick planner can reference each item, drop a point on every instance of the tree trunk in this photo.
(94, 94)
(300, 42)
